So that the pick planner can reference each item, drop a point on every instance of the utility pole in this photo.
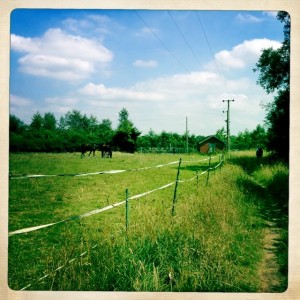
(186, 133)
(228, 124)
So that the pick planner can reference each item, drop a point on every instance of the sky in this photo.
(164, 67)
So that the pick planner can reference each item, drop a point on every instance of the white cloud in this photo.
(146, 31)
(21, 107)
(91, 25)
(248, 18)
(244, 54)
(60, 55)
(19, 101)
(145, 63)
(101, 93)
(271, 13)
(22, 44)
(162, 103)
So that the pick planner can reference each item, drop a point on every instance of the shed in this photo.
(211, 144)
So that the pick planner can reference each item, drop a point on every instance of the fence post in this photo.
(176, 184)
(208, 171)
(127, 208)
(197, 177)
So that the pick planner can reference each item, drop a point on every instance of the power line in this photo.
(163, 44)
(210, 49)
(182, 35)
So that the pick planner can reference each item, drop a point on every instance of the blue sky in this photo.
(163, 66)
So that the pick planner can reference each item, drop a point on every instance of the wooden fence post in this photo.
(176, 184)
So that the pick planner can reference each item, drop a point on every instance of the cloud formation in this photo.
(169, 99)
(145, 63)
(53, 55)
(248, 18)
(244, 54)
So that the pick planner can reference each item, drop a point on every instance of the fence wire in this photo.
(97, 211)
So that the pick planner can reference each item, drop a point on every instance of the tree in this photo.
(36, 121)
(17, 130)
(258, 136)
(221, 134)
(16, 125)
(274, 76)
(49, 121)
(126, 134)
(105, 131)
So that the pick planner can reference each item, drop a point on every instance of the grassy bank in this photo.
(214, 242)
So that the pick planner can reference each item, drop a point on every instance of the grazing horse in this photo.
(259, 152)
(106, 151)
(88, 147)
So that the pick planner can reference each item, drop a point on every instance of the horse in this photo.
(88, 147)
(106, 151)
(259, 152)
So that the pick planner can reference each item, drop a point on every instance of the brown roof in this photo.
(211, 137)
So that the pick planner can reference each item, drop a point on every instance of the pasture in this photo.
(214, 241)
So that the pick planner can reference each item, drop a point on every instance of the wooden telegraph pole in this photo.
(228, 124)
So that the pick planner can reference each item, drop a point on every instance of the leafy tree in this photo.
(36, 121)
(153, 138)
(126, 134)
(258, 136)
(274, 76)
(221, 134)
(105, 131)
(17, 130)
(164, 140)
(49, 121)
(16, 125)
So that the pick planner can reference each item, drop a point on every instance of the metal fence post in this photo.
(176, 184)
(208, 171)
(127, 208)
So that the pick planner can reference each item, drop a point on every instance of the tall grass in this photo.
(214, 242)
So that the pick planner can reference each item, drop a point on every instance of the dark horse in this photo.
(89, 147)
(106, 151)
(259, 152)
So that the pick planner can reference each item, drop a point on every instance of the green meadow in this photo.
(214, 242)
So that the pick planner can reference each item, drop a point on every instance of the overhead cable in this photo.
(160, 40)
(208, 44)
(184, 38)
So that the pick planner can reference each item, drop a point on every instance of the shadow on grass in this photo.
(273, 203)
(250, 164)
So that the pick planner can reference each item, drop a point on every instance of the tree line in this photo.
(47, 134)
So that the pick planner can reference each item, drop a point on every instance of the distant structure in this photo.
(211, 144)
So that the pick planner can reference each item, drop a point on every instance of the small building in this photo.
(211, 144)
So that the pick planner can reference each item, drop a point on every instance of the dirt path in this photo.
(271, 278)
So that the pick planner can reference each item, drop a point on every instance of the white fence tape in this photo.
(96, 211)
(87, 214)
(101, 172)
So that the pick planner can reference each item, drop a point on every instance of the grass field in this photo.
(214, 242)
